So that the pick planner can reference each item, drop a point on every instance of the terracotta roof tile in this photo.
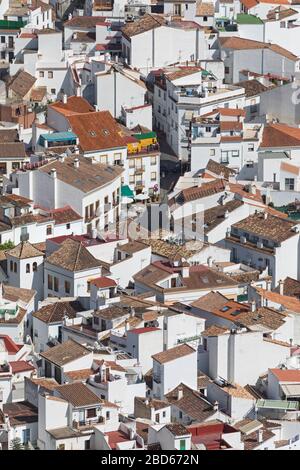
(66, 352)
(55, 312)
(173, 353)
(73, 256)
(24, 250)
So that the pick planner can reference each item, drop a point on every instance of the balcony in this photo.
(153, 148)
(88, 422)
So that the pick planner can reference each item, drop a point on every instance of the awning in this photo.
(141, 197)
(126, 191)
(126, 200)
(291, 390)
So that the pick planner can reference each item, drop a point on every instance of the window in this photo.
(163, 414)
(67, 287)
(131, 179)
(117, 158)
(15, 165)
(27, 268)
(26, 436)
(282, 24)
(212, 152)
(104, 159)
(204, 18)
(68, 226)
(250, 147)
(224, 157)
(227, 70)
(182, 444)
(289, 184)
(235, 153)
(56, 284)
(34, 267)
(53, 91)
(50, 74)
(41, 73)
(87, 445)
(50, 282)
(3, 39)
(107, 415)
(88, 286)
(15, 268)
(153, 176)
(91, 413)
(153, 160)
(177, 9)
(208, 129)
(96, 320)
(49, 230)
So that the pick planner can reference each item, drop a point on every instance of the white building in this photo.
(172, 367)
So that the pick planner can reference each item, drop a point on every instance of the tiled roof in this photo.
(252, 87)
(64, 215)
(21, 83)
(289, 302)
(264, 316)
(78, 394)
(271, 227)
(97, 131)
(205, 190)
(191, 403)
(286, 375)
(280, 135)
(291, 287)
(112, 312)
(103, 281)
(219, 169)
(146, 23)
(143, 330)
(173, 353)
(15, 294)
(85, 21)
(87, 177)
(289, 168)
(214, 330)
(12, 150)
(21, 366)
(216, 215)
(73, 256)
(174, 252)
(66, 352)
(236, 43)
(74, 105)
(280, 13)
(205, 8)
(20, 413)
(24, 250)
(177, 429)
(55, 312)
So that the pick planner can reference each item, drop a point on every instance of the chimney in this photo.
(281, 285)
(209, 261)
(259, 435)
(53, 173)
(226, 214)
(179, 393)
(269, 285)
(265, 215)
(65, 98)
(216, 406)
(253, 306)
(76, 163)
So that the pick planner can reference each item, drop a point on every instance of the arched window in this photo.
(11, 265)
(15, 268)
(34, 267)
(28, 268)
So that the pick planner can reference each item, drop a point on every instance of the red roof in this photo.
(103, 281)
(20, 366)
(139, 331)
(10, 346)
(286, 375)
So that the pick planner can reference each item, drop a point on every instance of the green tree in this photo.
(16, 444)
(7, 245)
